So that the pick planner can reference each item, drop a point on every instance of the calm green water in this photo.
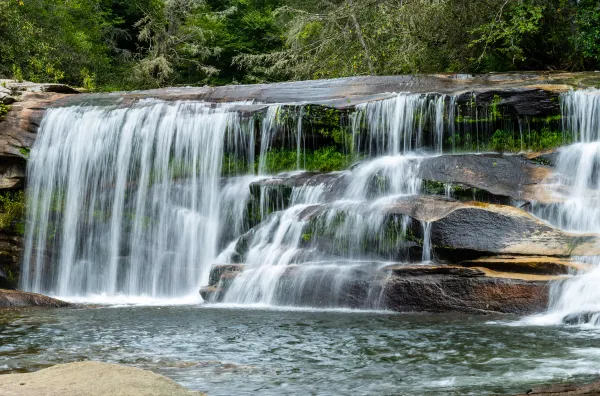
(266, 352)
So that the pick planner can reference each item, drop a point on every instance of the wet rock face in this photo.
(493, 178)
(523, 93)
(506, 230)
(11, 253)
(15, 298)
(411, 288)
(466, 290)
(502, 177)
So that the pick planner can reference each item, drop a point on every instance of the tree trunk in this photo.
(361, 38)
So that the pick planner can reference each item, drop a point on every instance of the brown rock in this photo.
(527, 264)
(16, 298)
(471, 290)
(565, 389)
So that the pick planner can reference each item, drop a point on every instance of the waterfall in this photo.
(398, 125)
(333, 258)
(128, 200)
(577, 189)
(577, 174)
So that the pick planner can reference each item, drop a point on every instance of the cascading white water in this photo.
(398, 125)
(285, 262)
(128, 200)
(577, 187)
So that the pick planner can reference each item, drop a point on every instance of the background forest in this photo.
(105, 45)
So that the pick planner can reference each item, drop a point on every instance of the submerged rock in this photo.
(91, 379)
(17, 298)
(565, 389)
(581, 318)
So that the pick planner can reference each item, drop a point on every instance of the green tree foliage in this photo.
(126, 44)
(588, 38)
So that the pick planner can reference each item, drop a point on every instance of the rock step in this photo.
(472, 291)
(438, 288)
(404, 270)
(528, 264)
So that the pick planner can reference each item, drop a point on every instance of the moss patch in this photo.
(4, 109)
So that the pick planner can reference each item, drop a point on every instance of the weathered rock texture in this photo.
(18, 130)
(565, 389)
(472, 290)
(15, 298)
(494, 178)
(91, 379)
(526, 93)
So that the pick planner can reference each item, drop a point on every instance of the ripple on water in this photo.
(276, 352)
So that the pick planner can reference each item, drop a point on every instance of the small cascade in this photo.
(577, 175)
(426, 242)
(388, 175)
(269, 127)
(581, 114)
(298, 251)
(398, 125)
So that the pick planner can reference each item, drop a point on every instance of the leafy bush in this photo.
(12, 211)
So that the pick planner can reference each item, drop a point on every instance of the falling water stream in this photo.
(576, 184)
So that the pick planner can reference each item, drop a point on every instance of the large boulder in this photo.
(455, 230)
(405, 288)
(499, 177)
(481, 228)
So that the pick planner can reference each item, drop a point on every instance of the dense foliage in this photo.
(121, 44)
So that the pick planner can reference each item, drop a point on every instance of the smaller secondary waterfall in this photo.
(398, 125)
(295, 258)
(578, 209)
